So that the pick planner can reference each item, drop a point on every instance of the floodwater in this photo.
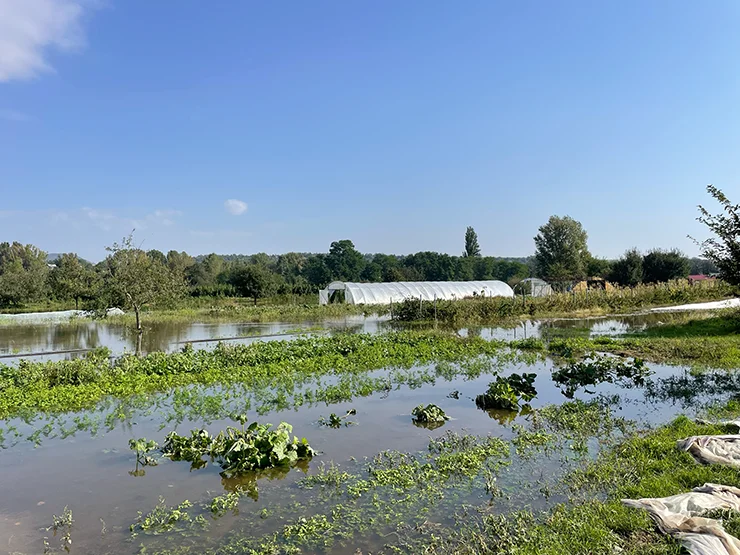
(46, 465)
(59, 340)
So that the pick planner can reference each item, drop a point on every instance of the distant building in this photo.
(700, 277)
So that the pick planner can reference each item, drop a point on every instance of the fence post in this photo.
(435, 308)
(420, 311)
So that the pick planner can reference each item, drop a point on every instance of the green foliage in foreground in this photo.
(239, 451)
(60, 386)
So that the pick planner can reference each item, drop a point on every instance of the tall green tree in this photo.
(344, 261)
(253, 280)
(23, 273)
(134, 279)
(73, 278)
(472, 248)
(724, 248)
(317, 271)
(627, 270)
(562, 250)
(660, 266)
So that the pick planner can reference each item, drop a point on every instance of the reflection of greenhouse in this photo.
(533, 287)
(386, 293)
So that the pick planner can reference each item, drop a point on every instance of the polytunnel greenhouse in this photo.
(534, 287)
(386, 293)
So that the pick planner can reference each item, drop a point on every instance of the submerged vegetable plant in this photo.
(167, 519)
(430, 416)
(335, 421)
(596, 369)
(143, 447)
(506, 392)
(63, 526)
(239, 451)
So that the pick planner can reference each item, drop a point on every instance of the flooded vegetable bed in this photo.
(377, 477)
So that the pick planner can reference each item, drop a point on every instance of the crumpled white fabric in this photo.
(679, 516)
(713, 449)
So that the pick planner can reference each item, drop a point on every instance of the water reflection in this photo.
(71, 339)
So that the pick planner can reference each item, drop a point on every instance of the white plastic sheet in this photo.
(385, 293)
(713, 449)
(679, 516)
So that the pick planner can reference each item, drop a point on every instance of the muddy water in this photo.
(91, 473)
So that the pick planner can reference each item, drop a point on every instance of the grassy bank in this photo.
(578, 304)
(647, 464)
(701, 340)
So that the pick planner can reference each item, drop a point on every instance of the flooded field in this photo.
(64, 340)
(56, 341)
(377, 479)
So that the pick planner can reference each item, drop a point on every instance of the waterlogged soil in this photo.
(83, 461)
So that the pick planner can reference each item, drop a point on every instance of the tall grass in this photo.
(580, 303)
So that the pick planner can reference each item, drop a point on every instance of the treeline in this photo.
(26, 276)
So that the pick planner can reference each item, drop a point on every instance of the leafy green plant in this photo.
(222, 504)
(335, 421)
(143, 447)
(62, 525)
(596, 369)
(431, 415)
(506, 392)
(163, 519)
(238, 451)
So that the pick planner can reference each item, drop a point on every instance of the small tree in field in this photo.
(135, 279)
(723, 249)
(472, 248)
(253, 281)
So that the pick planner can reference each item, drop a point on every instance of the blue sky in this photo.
(394, 124)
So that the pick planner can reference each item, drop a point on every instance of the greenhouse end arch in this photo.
(394, 292)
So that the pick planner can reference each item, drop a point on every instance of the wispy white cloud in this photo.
(235, 207)
(13, 115)
(163, 217)
(108, 220)
(29, 28)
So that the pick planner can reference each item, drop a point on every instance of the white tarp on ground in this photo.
(56, 316)
(397, 291)
(713, 449)
(714, 305)
(679, 516)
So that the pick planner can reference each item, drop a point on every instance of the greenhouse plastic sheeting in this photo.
(385, 293)
(680, 516)
(714, 449)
